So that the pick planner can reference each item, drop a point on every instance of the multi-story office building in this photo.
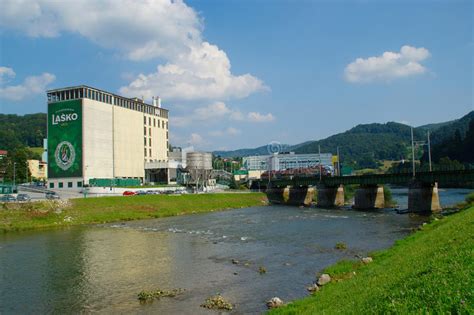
(94, 134)
(286, 161)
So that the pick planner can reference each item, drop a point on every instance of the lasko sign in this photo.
(65, 139)
(56, 119)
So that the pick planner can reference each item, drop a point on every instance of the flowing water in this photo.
(101, 268)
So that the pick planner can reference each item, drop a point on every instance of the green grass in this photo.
(37, 215)
(37, 150)
(429, 272)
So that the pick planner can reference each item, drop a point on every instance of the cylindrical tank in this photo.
(199, 160)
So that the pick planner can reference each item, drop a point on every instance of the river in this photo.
(101, 268)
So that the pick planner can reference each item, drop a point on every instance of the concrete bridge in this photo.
(422, 189)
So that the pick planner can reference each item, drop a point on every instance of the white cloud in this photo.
(218, 112)
(6, 74)
(231, 131)
(196, 139)
(202, 73)
(31, 85)
(257, 117)
(141, 30)
(388, 66)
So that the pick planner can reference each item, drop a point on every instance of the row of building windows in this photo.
(155, 122)
(83, 92)
(61, 185)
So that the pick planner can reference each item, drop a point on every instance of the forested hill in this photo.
(362, 145)
(16, 131)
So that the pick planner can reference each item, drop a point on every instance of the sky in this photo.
(241, 74)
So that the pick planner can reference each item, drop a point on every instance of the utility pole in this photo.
(26, 174)
(338, 162)
(320, 166)
(413, 152)
(14, 175)
(429, 150)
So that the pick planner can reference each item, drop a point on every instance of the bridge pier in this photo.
(299, 196)
(369, 197)
(330, 196)
(423, 197)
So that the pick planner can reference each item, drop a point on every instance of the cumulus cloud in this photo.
(30, 86)
(257, 117)
(388, 66)
(6, 74)
(231, 131)
(196, 139)
(218, 111)
(141, 30)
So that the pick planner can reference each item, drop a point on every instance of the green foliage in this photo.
(113, 209)
(429, 272)
(458, 147)
(470, 198)
(149, 296)
(16, 131)
(387, 194)
(218, 303)
(18, 155)
(340, 246)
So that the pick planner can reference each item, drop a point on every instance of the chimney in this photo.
(158, 100)
(153, 101)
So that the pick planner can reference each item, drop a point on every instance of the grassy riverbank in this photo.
(431, 271)
(47, 214)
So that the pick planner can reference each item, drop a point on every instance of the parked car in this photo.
(141, 192)
(7, 198)
(23, 197)
(51, 195)
(150, 192)
(129, 193)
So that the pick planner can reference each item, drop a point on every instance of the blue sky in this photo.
(244, 73)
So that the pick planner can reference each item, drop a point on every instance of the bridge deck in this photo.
(442, 177)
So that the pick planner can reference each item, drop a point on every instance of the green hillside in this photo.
(22, 131)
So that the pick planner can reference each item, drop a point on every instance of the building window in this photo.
(154, 122)
(150, 152)
(149, 142)
(149, 121)
(51, 185)
(144, 141)
(144, 131)
(149, 132)
(144, 120)
(145, 151)
(60, 185)
(69, 184)
(79, 184)
(158, 123)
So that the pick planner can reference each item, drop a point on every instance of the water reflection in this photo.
(102, 268)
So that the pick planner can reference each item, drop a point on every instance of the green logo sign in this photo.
(65, 155)
(65, 139)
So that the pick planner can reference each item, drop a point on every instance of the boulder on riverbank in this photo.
(323, 279)
(274, 302)
(367, 260)
(313, 288)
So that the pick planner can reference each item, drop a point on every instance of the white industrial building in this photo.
(94, 134)
(286, 161)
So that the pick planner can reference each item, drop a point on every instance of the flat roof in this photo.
(102, 91)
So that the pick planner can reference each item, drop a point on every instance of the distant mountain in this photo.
(364, 144)
(447, 130)
(454, 141)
